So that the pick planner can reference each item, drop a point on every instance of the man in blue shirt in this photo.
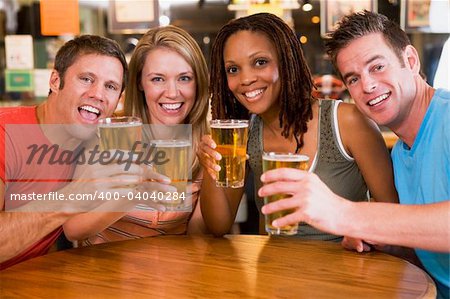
(381, 70)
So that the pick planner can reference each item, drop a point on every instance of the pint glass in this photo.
(175, 166)
(231, 139)
(119, 133)
(281, 160)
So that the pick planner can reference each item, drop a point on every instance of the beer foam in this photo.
(119, 125)
(229, 125)
(171, 143)
(285, 157)
(121, 121)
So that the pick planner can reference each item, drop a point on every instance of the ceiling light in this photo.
(164, 20)
(307, 6)
(315, 20)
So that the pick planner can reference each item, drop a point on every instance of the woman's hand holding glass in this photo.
(208, 156)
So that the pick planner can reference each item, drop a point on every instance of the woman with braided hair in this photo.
(258, 72)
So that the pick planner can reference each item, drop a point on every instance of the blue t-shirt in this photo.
(422, 175)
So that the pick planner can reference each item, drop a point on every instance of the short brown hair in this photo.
(88, 44)
(359, 24)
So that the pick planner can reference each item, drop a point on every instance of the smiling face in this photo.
(91, 91)
(169, 85)
(251, 64)
(382, 86)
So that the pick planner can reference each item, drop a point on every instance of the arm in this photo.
(218, 205)
(88, 224)
(196, 224)
(19, 230)
(363, 141)
(417, 226)
(98, 218)
(366, 145)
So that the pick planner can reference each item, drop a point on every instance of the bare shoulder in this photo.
(356, 130)
(350, 118)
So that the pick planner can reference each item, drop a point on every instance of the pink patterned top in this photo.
(144, 221)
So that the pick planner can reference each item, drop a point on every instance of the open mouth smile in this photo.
(171, 107)
(254, 93)
(379, 99)
(89, 113)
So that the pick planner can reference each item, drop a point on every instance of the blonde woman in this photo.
(168, 85)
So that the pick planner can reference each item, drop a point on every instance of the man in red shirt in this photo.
(85, 85)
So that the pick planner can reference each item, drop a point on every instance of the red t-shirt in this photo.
(21, 177)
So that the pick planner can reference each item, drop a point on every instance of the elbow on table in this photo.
(218, 225)
(219, 234)
(71, 233)
(218, 231)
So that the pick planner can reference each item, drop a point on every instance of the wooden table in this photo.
(237, 266)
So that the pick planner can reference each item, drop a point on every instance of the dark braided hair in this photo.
(296, 81)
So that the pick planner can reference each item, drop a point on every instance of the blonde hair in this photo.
(178, 40)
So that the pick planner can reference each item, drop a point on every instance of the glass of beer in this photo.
(120, 133)
(231, 139)
(176, 165)
(281, 160)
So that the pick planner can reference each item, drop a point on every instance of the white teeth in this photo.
(378, 99)
(90, 109)
(254, 93)
(172, 106)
